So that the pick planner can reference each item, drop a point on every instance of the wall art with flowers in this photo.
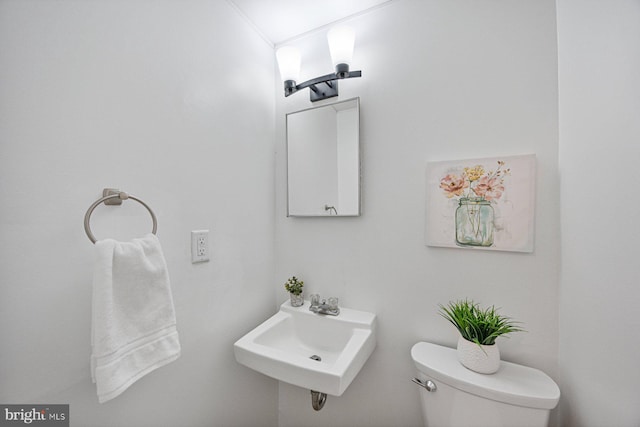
(482, 203)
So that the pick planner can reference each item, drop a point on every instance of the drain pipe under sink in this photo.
(318, 399)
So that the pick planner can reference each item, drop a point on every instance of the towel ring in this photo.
(114, 197)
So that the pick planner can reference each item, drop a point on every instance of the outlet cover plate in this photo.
(199, 246)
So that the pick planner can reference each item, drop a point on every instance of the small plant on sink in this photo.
(294, 286)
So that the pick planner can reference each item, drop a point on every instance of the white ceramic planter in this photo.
(484, 359)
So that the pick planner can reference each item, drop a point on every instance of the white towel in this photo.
(133, 320)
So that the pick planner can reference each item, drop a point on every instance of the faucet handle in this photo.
(315, 300)
(333, 303)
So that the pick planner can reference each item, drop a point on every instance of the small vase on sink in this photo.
(296, 300)
(294, 286)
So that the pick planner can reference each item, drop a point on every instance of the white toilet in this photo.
(454, 396)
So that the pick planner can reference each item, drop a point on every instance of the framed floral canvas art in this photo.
(484, 203)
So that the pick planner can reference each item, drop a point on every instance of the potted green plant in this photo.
(293, 285)
(479, 328)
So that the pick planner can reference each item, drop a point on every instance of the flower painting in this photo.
(482, 203)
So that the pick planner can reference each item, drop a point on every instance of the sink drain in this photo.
(316, 358)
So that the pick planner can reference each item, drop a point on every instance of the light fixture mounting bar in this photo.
(322, 87)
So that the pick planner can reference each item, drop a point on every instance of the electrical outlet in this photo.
(199, 246)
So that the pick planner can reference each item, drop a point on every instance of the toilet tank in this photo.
(514, 396)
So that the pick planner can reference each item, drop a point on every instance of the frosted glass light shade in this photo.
(341, 40)
(289, 63)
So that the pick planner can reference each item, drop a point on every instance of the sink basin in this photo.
(282, 346)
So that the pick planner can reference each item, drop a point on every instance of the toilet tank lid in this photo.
(513, 384)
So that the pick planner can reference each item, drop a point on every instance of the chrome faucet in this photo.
(324, 307)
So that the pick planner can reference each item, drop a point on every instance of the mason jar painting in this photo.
(482, 203)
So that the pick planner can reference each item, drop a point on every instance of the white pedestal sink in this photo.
(282, 347)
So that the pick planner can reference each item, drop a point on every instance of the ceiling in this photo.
(282, 20)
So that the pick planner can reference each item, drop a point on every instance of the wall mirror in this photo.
(323, 160)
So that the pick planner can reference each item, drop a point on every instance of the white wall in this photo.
(441, 80)
(599, 66)
(150, 97)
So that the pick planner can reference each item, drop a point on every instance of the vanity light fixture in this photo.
(341, 40)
